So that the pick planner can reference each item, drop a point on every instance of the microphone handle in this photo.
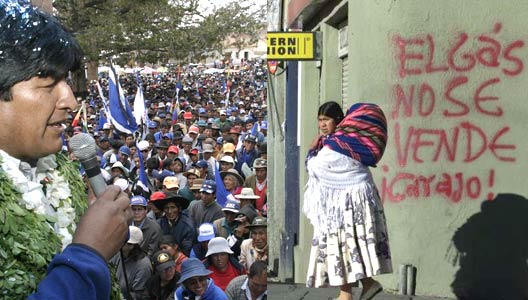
(93, 172)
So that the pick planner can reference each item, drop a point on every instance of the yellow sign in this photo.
(290, 45)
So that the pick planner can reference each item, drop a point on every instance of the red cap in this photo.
(187, 115)
(157, 196)
(173, 149)
(194, 151)
(235, 130)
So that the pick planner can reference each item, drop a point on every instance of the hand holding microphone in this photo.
(104, 226)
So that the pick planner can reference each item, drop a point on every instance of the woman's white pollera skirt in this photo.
(358, 250)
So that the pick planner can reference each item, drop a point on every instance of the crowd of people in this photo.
(187, 240)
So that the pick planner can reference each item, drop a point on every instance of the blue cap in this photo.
(161, 175)
(138, 200)
(208, 186)
(201, 110)
(201, 123)
(152, 124)
(201, 164)
(264, 125)
(125, 150)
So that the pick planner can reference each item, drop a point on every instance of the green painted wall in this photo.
(476, 147)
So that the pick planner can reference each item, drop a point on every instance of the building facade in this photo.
(450, 78)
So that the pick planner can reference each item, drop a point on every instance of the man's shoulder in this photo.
(237, 282)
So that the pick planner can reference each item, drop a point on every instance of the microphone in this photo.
(83, 147)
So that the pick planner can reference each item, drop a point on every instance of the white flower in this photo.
(55, 203)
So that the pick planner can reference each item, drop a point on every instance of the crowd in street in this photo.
(200, 206)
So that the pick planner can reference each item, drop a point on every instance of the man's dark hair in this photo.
(33, 43)
(257, 268)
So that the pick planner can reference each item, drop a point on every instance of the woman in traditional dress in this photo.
(350, 240)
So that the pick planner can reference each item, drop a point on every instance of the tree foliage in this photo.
(157, 30)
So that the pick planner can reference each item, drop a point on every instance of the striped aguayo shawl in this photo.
(361, 135)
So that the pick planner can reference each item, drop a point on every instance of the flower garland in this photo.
(36, 219)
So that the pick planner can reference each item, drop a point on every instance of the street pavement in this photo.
(278, 291)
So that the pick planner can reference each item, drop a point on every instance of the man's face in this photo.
(258, 284)
(229, 216)
(187, 147)
(208, 198)
(167, 274)
(129, 140)
(259, 236)
(207, 155)
(172, 211)
(249, 146)
(235, 137)
(31, 123)
(190, 180)
(140, 212)
(162, 152)
(261, 173)
(224, 166)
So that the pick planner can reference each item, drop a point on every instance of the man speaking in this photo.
(36, 55)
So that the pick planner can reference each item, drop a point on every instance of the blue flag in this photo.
(221, 193)
(142, 178)
(120, 112)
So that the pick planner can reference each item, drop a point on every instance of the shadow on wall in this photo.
(493, 251)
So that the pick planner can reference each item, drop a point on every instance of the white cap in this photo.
(122, 184)
(227, 159)
(136, 235)
(143, 145)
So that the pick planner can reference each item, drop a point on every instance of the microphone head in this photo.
(83, 146)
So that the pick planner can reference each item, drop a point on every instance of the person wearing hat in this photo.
(195, 282)
(164, 131)
(206, 232)
(162, 148)
(144, 147)
(235, 133)
(173, 152)
(226, 225)
(221, 261)
(203, 167)
(259, 181)
(168, 243)
(118, 170)
(226, 162)
(150, 228)
(247, 154)
(247, 197)
(251, 286)
(170, 184)
(207, 153)
(163, 283)
(135, 263)
(176, 220)
(187, 147)
(194, 156)
(206, 210)
(232, 181)
(190, 175)
(255, 248)
(222, 119)
(243, 219)
(154, 213)
(195, 190)
(123, 156)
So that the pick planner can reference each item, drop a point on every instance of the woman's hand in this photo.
(315, 141)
